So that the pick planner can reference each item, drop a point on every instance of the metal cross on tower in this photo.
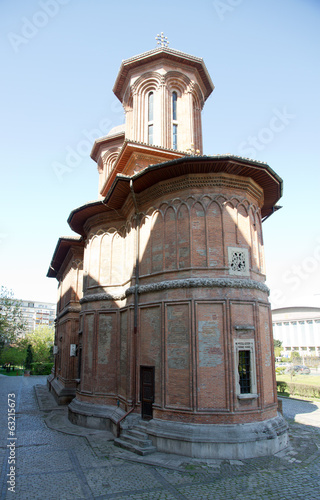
(162, 40)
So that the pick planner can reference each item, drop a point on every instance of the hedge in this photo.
(41, 368)
(295, 389)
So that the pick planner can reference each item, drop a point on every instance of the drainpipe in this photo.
(136, 303)
(136, 296)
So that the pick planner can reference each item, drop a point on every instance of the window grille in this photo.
(244, 369)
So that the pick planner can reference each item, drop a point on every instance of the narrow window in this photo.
(175, 137)
(150, 107)
(150, 134)
(150, 118)
(174, 121)
(244, 369)
(174, 105)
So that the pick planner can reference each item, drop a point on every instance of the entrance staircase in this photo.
(136, 440)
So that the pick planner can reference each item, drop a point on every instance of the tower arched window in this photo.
(174, 121)
(150, 118)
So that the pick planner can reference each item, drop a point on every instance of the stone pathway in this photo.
(78, 463)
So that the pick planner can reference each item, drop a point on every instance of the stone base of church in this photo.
(94, 416)
(220, 441)
(229, 441)
(63, 395)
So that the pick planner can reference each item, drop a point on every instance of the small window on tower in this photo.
(174, 105)
(175, 137)
(150, 118)
(150, 134)
(174, 121)
(150, 107)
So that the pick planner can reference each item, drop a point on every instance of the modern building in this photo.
(38, 313)
(298, 328)
(163, 319)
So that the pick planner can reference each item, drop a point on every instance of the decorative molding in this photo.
(202, 181)
(183, 283)
(69, 309)
(102, 296)
(238, 261)
(201, 283)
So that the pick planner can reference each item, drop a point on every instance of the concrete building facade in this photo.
(38, 313)
(298, 328)
(174, 323)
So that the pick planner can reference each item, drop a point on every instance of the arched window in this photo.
(174, 105)
(174, 121)
(150, 118)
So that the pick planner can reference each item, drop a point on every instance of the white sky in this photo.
(59, 61)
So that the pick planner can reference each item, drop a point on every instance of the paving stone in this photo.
(77, 463)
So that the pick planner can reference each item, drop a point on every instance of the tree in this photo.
(13, 355)
(12, 323)
(41, 341)
(29, 358)
(277, 345)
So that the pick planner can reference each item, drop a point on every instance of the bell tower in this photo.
(163, 92)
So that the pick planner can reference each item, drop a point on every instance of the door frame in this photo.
(152, 369)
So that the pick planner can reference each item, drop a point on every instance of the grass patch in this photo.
(12, 373)
(300, 379)
(300, 385)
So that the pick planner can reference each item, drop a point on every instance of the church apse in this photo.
(67, 267)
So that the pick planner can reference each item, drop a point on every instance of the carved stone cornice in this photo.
(69, 309)
(183, 283)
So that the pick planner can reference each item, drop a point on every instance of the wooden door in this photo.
(146, 391)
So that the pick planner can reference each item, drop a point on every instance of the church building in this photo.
(163, 328)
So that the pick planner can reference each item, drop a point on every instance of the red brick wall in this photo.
(186, 333)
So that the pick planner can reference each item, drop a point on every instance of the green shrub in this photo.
(296, 389)
(310, 391)
(282, 387)
(41, 368)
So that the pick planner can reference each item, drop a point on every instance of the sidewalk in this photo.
(56, 460)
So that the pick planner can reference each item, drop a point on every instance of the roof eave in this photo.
(157, 53)
(63, 246)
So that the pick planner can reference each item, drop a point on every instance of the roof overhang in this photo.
(133, 147)
(62, 248)
(175, 56)
(103, 142)
(260, 172)
(80, 215)
(119, 189)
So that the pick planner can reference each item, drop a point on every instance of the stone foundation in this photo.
(94, 416)
(234, 442)
(220, 441)
(63, 395)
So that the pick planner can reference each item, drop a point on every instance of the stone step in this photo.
(143, 442)
(140, 434)
(121, 443)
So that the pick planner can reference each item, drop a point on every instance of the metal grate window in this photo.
(244, 369)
